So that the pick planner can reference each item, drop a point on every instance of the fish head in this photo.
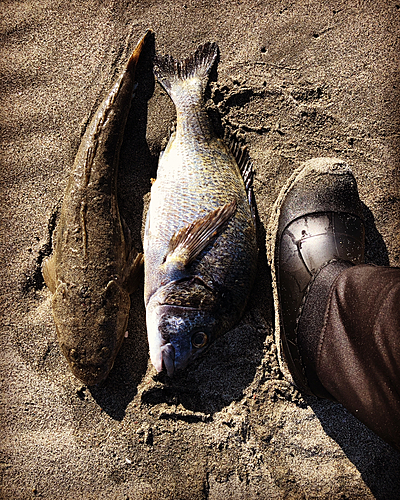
(91, 327)
(177, 336)
(180, 328)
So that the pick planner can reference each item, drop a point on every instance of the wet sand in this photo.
(298, 80)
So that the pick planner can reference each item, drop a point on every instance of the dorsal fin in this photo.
(240, 151)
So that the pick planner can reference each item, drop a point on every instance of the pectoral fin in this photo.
(49, 273)
(133, 272)
(187, 243)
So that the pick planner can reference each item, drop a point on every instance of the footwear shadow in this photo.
(377, 462)
(375, 248)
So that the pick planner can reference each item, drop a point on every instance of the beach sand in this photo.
(298, 79)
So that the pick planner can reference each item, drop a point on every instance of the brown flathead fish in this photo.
(92, 270)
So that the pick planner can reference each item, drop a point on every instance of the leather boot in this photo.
(315, 232)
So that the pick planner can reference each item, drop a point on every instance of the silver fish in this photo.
(200, 239)
(92, 269)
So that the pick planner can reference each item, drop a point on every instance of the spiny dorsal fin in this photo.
(240, 151)
(187, 243)
(169, 70)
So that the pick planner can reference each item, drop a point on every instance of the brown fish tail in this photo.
(133, 60)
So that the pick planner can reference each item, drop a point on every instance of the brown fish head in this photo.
(91, 327)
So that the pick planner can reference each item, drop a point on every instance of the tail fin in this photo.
(133, 60)
(170, 72)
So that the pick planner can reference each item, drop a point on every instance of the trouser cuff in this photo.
(311, 321)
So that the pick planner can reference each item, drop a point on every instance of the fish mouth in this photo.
(88, 370)
(164, 359)
(168, 358)
(165, 350)
(90, 375)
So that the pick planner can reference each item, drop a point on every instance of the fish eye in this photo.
(199, 339)
(74, 354)
(105, 351)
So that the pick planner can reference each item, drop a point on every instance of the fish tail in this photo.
(133, 60)
(172, 74)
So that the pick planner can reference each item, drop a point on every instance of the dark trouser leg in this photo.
(356, 353)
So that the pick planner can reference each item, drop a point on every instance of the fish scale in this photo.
(200, 242)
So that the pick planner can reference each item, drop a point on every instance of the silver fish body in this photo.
(200, 240)
(92, 269)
